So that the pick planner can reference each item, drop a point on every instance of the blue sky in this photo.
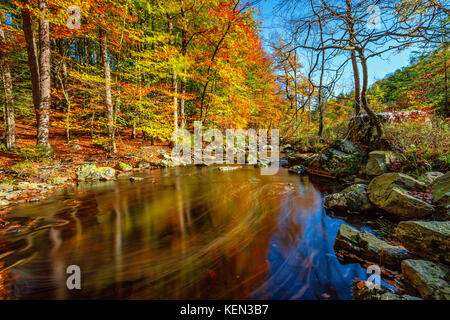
(378, 67)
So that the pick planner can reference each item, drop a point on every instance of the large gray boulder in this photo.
(90, 172)
(428, 239)
(368, 246)
(430, 279)
(353, 199)
(378, 162)
(441, 190)
(392, 193)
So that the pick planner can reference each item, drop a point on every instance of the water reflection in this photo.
(184, 233)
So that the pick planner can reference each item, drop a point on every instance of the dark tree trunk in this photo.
(33, 64)
(8, 89)
(108, 96)
(44, 80)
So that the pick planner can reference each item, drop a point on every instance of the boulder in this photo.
(441, 190)
(144, 164)
(364, 293)
(391, 192)
(300, 170)
(368, 246)
(378, 162)
(430, 279)
(76, 147)
(122, 166)
(89, 172)
(431, 176)
(56, 181)
(428, 239)
(6, 187)
(341, 158)
(353, 198)
(3, 203)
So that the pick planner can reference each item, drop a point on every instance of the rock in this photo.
(368, 246)
(26, 186)
(300, 170)
(383, 293)
(13, 194)
(76, 147)
(122, 166)
(341, 158)
(431, 176)
(378, 162)
(430, 279)
(441, 190)
(133, 179)
(88, 172)
(228, 168)
(428, 239)
(144, 164)
(286, 148)
(56, 181)
(6, 187)
(300, 159)
(361, 181)
(391, 192)
(3, 203)
(353, 198)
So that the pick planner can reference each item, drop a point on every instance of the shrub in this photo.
(34, 153)
(424, 145)
(24, 169)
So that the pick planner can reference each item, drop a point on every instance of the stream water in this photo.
(182, 233)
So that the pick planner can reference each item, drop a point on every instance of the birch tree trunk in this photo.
(44, 80)
(8, 89)
(108, 96)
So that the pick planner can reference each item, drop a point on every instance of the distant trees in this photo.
(351, 31)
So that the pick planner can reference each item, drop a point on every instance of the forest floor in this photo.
(65, 158)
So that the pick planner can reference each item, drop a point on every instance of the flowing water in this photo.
(182, 233)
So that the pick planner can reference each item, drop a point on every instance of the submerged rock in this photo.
(88, 172)
(353, 198)
(441, 190)
(378, 162)
(391, 192)
(365, 293)
(428, 239)
(300, 170)
(228, 168)
(368, 246)
(430, 279)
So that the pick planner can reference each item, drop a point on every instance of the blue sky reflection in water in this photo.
(307, 267)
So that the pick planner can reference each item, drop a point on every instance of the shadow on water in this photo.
(182, 233)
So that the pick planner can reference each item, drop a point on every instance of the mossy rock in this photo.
(441, 190)
(89, 172)
(122, 166)
(378, 162)
(428, 239)
(430, 279)
(391, 193)
(353, 198)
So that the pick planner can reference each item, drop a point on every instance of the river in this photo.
(182, 233)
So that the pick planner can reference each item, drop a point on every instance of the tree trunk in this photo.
(44, 80)
(352, 40)
(33, 64)
(7, 86)
(184, 43)
(372, 116)
(174, 74)
(108, 96)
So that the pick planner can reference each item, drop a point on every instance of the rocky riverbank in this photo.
(418, 249)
